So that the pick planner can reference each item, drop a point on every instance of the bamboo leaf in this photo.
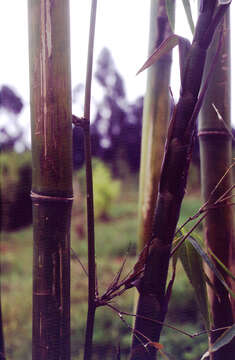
(163, 49)
(193, 267)
(170, 9)
(223, 340)
(221, 264)
(184, 260)
(211, 265)
(198, 281)
(188, 11)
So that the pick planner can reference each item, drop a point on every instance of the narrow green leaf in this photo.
(211, 265)
(192, 264)
(223, 340)
(188, 11)
(170, 9)
(221, 264)
(198, 282)
(184, 260)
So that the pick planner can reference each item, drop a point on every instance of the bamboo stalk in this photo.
(50, 96)
(152, 300)
(155, 121)
(216, 156)
(89, 189)
(2, 347)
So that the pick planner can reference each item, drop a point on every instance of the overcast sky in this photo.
(122, 26)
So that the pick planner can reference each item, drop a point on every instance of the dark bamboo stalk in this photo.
(152, 299)
(89, 188)
(216, 155)
(2, 347)
(50, 96)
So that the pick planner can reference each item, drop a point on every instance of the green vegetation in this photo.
(10, 165)
(115, 239)
(106, 190)
(15, 185)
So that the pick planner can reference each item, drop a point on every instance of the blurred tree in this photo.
(116, 130)
(10, 101)
(13, 104)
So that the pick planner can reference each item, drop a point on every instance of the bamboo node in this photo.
(213, 132)
(50, 198)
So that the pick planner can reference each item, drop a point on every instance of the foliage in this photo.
(106, 190)
(15, 184)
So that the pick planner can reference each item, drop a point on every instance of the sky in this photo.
(122, 26)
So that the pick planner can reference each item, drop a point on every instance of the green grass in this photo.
(115, 238)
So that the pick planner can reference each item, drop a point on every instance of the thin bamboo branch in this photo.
(89, 187)
(182, 332)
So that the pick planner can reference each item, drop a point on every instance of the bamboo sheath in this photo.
(50, 98)
(152, 301)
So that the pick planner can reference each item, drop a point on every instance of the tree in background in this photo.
(116, 130)
(13, 104)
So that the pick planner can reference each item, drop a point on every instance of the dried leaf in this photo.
(156, 345)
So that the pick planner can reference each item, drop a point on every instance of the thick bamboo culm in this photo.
(216, 157)
(51, 119)
(152, 287)
(156, 114)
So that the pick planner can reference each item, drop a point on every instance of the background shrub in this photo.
(15, 185)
